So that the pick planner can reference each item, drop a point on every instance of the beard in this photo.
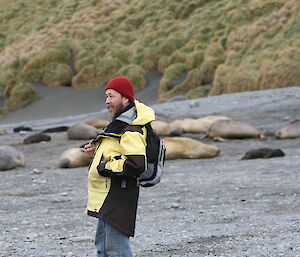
(115, 109)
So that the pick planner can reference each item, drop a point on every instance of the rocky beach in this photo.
(203, 207)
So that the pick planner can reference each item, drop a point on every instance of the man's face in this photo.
(115, 102)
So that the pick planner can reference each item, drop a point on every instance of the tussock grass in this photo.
(21, 95)
(237, 45)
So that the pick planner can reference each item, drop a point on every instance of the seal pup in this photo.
(36, 138)
(82, 131)
(10, 158)
(187, 148)
(22, 128)
(56, 129)
(73, 157)
(290, 131)
(263, 153)
(234, 129)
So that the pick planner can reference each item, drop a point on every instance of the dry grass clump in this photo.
(197, 92)
(279, 73)
(216, 46)
(41, 60)
(57, 74)
(86, 78)
(193, 81)
(172, 73)
(135, 73)
(21, 95)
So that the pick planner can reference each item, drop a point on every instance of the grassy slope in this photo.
(222, 46)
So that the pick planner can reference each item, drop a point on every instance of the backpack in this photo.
(155, 153)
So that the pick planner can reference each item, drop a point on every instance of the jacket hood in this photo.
(145, 114)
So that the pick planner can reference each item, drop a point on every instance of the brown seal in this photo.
(73, 157)
(196, 126)
(187, 148)
(162, 128)
(36, 138)
(2, 132)
(98, 121)
(263, 153)
(82, 131)
(232, 129)
(290, 131)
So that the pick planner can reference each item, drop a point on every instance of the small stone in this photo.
(36, 171)
(80, 238)
(175, 205)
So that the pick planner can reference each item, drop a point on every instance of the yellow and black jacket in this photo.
(120, 157)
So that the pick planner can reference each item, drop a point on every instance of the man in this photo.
(119, 157)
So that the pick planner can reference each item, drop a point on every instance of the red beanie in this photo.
(123, 86)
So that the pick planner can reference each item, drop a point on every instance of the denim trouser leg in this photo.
(110, 242)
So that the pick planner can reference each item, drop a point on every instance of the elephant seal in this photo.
(56, 129)
(2, 132)
(73, 157)
(187, 148)
(36, 138)
(10, 158)
(163, 128)
(82, 131)
(232, 129)
(290, 131)
(98, 121)
(263, 153)
(195, 126)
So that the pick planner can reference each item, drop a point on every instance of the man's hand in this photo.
(89, 149)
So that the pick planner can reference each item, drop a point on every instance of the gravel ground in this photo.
(206, 207)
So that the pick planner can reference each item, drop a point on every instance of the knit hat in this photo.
(123, 86)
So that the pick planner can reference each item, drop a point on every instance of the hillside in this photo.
(200, 47)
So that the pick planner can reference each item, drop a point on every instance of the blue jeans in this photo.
(110, 242)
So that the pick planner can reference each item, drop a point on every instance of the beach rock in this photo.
(10, 158)
(36, 138)
(82, 131)
(187, 148)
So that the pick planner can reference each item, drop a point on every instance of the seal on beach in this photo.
(73, 157)
(82, 131)
(2, 132)
(187, 148)
(36, 138)
(290, 131)
(10, 158)
(163, 128)
(22, 128)
(232, 129)
(56, 129)
(263, 153)
(97, 121)
(195, 126)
